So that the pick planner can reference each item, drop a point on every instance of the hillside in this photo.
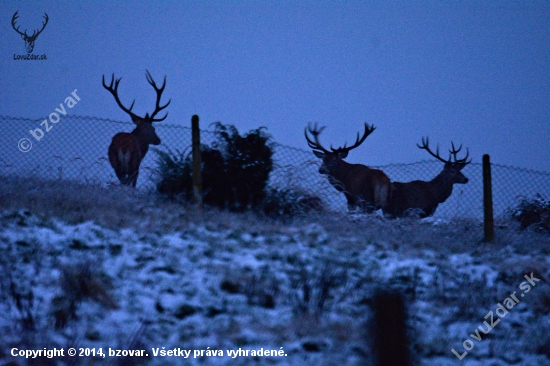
(90, 267)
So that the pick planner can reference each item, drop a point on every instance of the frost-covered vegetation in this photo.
(86, 266)
(533, 213)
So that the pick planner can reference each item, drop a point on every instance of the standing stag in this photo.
(422, 197)
(127, 150)
(363, 187)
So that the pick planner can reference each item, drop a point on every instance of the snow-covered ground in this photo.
(87, 267)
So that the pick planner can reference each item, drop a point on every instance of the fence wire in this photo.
(75, 148)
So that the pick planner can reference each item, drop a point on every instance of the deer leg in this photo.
(121, 177)
(352, 202)
(133, 178)
(366, 206)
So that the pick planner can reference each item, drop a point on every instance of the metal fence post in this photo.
(196, 150)
(488, 200)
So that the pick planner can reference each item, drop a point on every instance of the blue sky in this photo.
(477, 73)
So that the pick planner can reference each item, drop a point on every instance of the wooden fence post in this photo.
(196, 150)
(488, 200)
(390, 344)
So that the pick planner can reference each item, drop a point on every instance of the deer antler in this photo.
(456, 151)
(159, 92)
(316, 145)
(358, 141)
(452, 153)
(315, 131)
(114, 92)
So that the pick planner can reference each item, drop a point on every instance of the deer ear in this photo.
(137, 120)
(319, 154)
(343, 154)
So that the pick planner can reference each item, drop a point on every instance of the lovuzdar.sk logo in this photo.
(29, 39)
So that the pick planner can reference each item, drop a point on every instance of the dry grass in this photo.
(117, 207)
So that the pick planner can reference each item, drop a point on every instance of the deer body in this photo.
(423, 197)
(127, 150)
(363, 187)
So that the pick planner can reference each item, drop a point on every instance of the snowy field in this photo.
(94, 268)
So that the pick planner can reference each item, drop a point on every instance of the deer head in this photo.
(29, 40)
(333, 158)
(363, 187)
(453, 166)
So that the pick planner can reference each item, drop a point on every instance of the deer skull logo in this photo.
(29, 40)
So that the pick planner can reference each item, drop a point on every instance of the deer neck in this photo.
(442, 186)
(143, 145)
(339, 174)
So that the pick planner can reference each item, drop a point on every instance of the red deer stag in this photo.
(422, 197)
(127, 150)
(364, 188)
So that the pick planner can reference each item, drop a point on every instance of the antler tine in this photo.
(465, 161)
(425, 146)
(114, 91)
(13, 20)
(159, 92)
(455, 151)
(315, 132)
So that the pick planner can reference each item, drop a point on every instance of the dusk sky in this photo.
(476, 73)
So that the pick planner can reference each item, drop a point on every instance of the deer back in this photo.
(125, 153)
(416, 195)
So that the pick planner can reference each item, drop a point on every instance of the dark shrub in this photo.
(248, 164)
(533, 212)
(235, 169)
(175, 170)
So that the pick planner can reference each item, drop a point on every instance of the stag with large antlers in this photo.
(127, 150)
(421, 197)
(364, 188)
(29, 40)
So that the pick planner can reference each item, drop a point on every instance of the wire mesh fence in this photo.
(75, 148)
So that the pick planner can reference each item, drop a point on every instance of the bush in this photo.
(247, 164)
(289, 202)
(235, 169)
(175, 170)
(533, 212)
